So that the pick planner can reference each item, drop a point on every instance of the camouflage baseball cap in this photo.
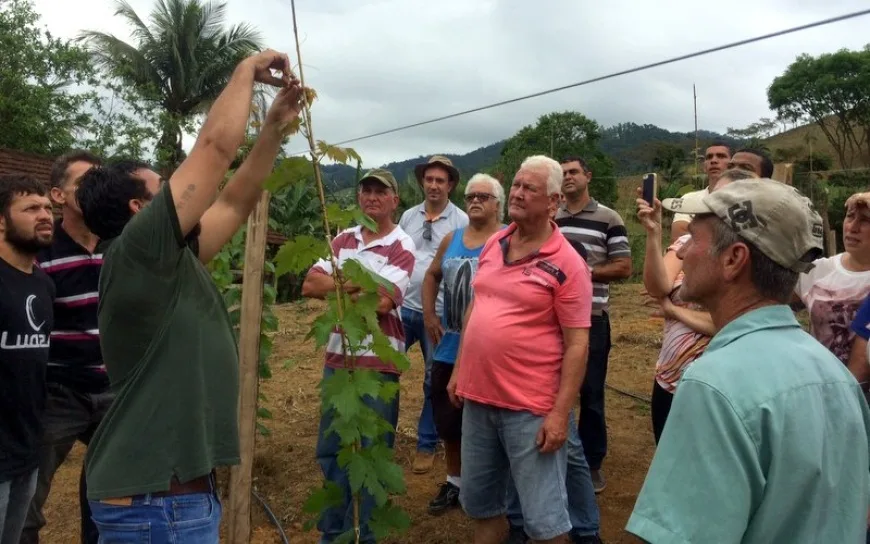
(382, 176)
(774, 217)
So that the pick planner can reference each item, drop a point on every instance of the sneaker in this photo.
(423, 462)
(516, 536)
(598, 482)
(447, 498)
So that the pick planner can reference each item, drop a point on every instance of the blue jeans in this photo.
(582, 506)
(498, 444)
(15, 496)
(338, 520)
(183, 519)
(415, 331)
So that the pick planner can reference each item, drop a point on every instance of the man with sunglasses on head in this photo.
(427, 224)
(602, 232)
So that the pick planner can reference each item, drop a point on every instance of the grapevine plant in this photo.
(370, 469)
(222, 268)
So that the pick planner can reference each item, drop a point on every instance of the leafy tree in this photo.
(179, 63)
(763, 128)
(558, 135)
(39, 112)
(830, 89)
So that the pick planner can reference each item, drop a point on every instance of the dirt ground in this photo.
(285, 468)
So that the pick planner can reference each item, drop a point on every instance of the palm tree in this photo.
(179, 63)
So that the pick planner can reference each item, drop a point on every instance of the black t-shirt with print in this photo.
(26, 320)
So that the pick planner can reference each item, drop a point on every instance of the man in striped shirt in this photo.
(602, 232)
(389, 253)
(77, 383)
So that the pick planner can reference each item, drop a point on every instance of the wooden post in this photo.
(249, 360)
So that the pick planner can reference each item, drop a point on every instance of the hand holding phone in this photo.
(650, 188)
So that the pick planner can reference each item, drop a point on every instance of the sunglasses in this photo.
(483, 197)
(427, 231)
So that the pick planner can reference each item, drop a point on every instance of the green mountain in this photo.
(630, 146)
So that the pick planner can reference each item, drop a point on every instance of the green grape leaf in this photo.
(388, 472)
(362, 219)
(339, 392)
(388, 518)
(289, 171)
(298, 254)
(385, 351)
(328, 496)
(322, 327)
(367, 383)
(338, 216)
(388, 391)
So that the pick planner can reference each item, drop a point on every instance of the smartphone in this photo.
(650, 188)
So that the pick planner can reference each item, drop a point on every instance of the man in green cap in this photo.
(389, 252)
(768, 429)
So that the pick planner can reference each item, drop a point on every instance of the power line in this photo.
(609, 76)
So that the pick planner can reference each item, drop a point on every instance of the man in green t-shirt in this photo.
(166, 339)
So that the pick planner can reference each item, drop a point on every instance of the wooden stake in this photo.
(249, 375)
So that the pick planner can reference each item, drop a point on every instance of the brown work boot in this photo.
(423, 462)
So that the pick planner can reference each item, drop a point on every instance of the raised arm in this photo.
(236, 201)
(699, 321)
(196, 180)
(431, 281)
(659, 271)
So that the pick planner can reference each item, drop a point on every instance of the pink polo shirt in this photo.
(512, 347)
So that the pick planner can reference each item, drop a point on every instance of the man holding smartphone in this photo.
(602, 233)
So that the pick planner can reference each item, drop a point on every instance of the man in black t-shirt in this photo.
(76, 382)
(26, 320)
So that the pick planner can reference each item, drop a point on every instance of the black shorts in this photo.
(448, 418)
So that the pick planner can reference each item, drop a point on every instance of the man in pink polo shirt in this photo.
(522, 358)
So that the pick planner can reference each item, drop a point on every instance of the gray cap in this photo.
(774, 217)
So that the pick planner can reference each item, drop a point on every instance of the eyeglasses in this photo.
(483, 197)
(427, 230)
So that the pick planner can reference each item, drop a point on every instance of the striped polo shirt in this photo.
(392, 258)
(75, 360)
(602, 232)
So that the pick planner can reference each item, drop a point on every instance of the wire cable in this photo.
(272, 517)
(610, 76)
(628, 393)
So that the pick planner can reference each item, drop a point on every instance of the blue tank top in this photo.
(458, 267)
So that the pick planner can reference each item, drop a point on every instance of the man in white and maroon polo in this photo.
(389, 252)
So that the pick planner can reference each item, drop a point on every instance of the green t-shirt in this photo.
(766, 443)
(172, 359)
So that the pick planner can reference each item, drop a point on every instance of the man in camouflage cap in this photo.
(766, 410)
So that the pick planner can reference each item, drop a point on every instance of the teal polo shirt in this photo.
(766, 442)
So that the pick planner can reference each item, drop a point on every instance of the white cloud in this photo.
(384, 63)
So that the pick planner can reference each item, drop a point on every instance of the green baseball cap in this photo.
(774, 217)
(383, 177)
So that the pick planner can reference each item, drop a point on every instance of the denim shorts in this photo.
(497, 440)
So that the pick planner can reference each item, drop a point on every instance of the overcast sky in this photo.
(377, 64)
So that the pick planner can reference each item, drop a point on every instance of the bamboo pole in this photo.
(241, 476)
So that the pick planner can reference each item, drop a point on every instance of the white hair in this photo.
(547, 166)
(494, 186)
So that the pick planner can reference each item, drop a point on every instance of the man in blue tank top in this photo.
(453, 267)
